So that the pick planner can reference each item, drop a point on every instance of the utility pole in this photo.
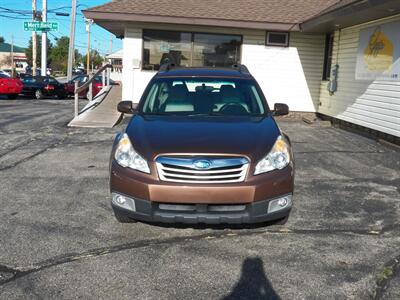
(12, 55)
(71, 50)
(44, 39)
(88, 23)
(34, 40)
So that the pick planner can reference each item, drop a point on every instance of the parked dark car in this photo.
(43, 86)
(202, 147)
(97, 85)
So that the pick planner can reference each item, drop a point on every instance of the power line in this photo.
(12, 18)
(21, 14)
(13, 11)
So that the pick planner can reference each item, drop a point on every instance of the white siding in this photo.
(373, 104)
(290, 75)
(134, 81)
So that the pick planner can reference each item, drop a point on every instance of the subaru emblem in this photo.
(202, 164)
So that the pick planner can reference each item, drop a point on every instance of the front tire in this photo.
(38, 94)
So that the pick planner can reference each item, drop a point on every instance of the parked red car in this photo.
(10, 86)
(97, 85)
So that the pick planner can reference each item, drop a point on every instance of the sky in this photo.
(11, 24)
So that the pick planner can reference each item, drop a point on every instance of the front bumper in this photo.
(201, 203)
(148, 187)
(149, 211)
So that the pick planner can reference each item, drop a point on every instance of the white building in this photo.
(115, 59)
(18, 53)
(296, 49)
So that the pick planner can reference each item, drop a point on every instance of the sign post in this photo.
(44, 39)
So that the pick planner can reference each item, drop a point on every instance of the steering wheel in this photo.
(233, 108)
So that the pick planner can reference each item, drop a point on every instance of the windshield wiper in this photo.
(213, 114)
(158, 114)
(217, 114)
(205, 115)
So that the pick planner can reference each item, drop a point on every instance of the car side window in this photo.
(151, 99)
(29, 80)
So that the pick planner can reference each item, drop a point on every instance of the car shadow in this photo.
(253, 283)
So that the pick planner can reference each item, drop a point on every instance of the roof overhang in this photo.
(116, 22)
(356, 13)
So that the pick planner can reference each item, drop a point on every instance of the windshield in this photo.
(210, 96)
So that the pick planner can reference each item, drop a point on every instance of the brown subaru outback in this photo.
(202, 147)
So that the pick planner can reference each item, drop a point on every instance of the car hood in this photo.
(156, 135)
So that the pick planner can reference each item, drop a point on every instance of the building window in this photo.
(277, 39)
(328, 56)
(189, 49)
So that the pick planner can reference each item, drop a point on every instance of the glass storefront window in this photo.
(189, 49)
(214, 50)
(161, 46)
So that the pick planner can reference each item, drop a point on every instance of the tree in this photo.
(78, 59)
(59, 55)
(1, 40)
(96, 59)
(28, 51)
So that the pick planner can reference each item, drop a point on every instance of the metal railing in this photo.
(105, 72)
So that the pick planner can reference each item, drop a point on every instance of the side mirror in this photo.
(281, 109)
(127, 107)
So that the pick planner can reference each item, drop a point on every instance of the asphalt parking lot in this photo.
(59, 239)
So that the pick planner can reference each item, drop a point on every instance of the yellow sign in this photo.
(379, 52)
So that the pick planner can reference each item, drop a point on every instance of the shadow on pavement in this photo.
(253, 283)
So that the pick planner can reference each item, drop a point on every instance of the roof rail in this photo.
(166, 67)
(241, 68)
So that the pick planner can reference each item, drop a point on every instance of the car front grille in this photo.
(202, 169)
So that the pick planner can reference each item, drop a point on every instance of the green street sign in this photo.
(40, 26)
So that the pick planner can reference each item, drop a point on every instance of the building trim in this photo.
(117, 16)
(354, 13)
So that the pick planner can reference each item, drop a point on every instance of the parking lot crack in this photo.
(14, 274)
(8, 273)
(25, 159)
(8, 151)
(390, 270)
(71, 257)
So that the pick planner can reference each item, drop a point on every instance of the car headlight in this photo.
(126, 156)
(277, 158)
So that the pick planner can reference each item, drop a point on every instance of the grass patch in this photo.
(385, 274)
